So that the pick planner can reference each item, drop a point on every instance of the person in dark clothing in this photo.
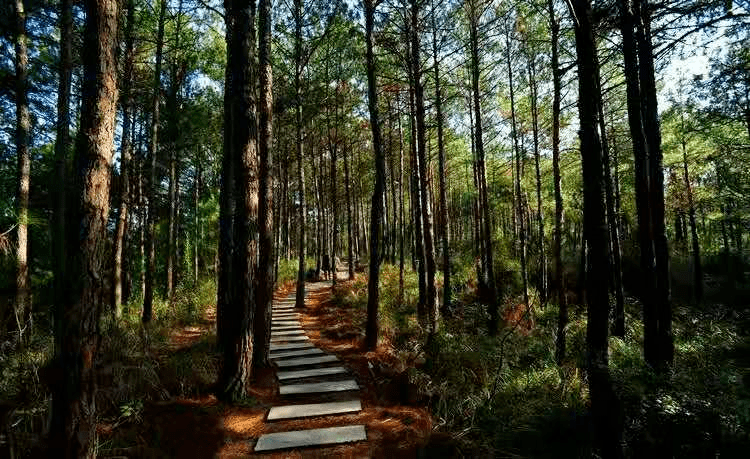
(326, 268)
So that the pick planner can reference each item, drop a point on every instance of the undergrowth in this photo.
(136, 364)
(505, 396)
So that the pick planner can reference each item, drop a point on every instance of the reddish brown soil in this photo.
(202, 427)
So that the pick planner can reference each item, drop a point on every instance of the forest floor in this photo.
(197, 425)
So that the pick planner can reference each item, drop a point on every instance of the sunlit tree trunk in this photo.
(73, 428)
(265, 282)
(697, 268)
(23, 133)
(300, 293)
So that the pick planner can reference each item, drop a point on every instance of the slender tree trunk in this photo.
(126, 154)
(153, 146)
(519, 200)
(562, 319)
(488, 269)
(73, 431)
(664, 339)
(349, 234)
(23, 135)
(443, 220)
(429, 249)
(614, 232)
(697, 268)
(265, 282)
(534, 101)
(62, 147)
(604, 403)
(196, 222)
(373, 293)
(300, 293)
(401, 235)
(416, 200)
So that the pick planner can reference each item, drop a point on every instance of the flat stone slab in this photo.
(319, 387)
(297, 353)
(311, 437)
(313, 409)
(283, 323)
(282, 339)
(280, 333)
(310, 373)
(286, 327)
(286, 316)
(285, 347)
(306, 361)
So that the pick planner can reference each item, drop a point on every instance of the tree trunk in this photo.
(664, 339)
(300, 293)
(520, 206)
(373, 293)
(534, 101)
(73, 432)
(126, 153)
(562, 318)
(62, 147)
(23, 134)
(349, 234)
(443, 220)
(697, 268)
(488, 269)
(614, 231)
(430, 304)
(604, 403)
(236, 326)
(265, 283)
(153, 146)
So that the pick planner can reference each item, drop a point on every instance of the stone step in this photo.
(286, 327)
(319, 387)
(310, 373)
(275, 347)
(303, 361)
(288, 339)
(311, 437)
(297, 353)
(313, 409)
(280, 333)
(285, 315)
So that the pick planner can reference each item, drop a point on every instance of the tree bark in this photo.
(604, 404)
(73, 425)
(697, 268)
(376, 213)
(23, 133)
(519, 196)
(488, 269)
(62, 147)
(265, 283)
(443, 220)
(126, 154)
(349, 233)
(153, 146)
(664, 354)
(430, 304)
(300, 293)
(236, 326)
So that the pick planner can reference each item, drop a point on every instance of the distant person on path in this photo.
(326, 266)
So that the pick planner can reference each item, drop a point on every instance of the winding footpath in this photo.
(312, 384)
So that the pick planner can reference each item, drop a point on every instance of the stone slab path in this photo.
(308, 376)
